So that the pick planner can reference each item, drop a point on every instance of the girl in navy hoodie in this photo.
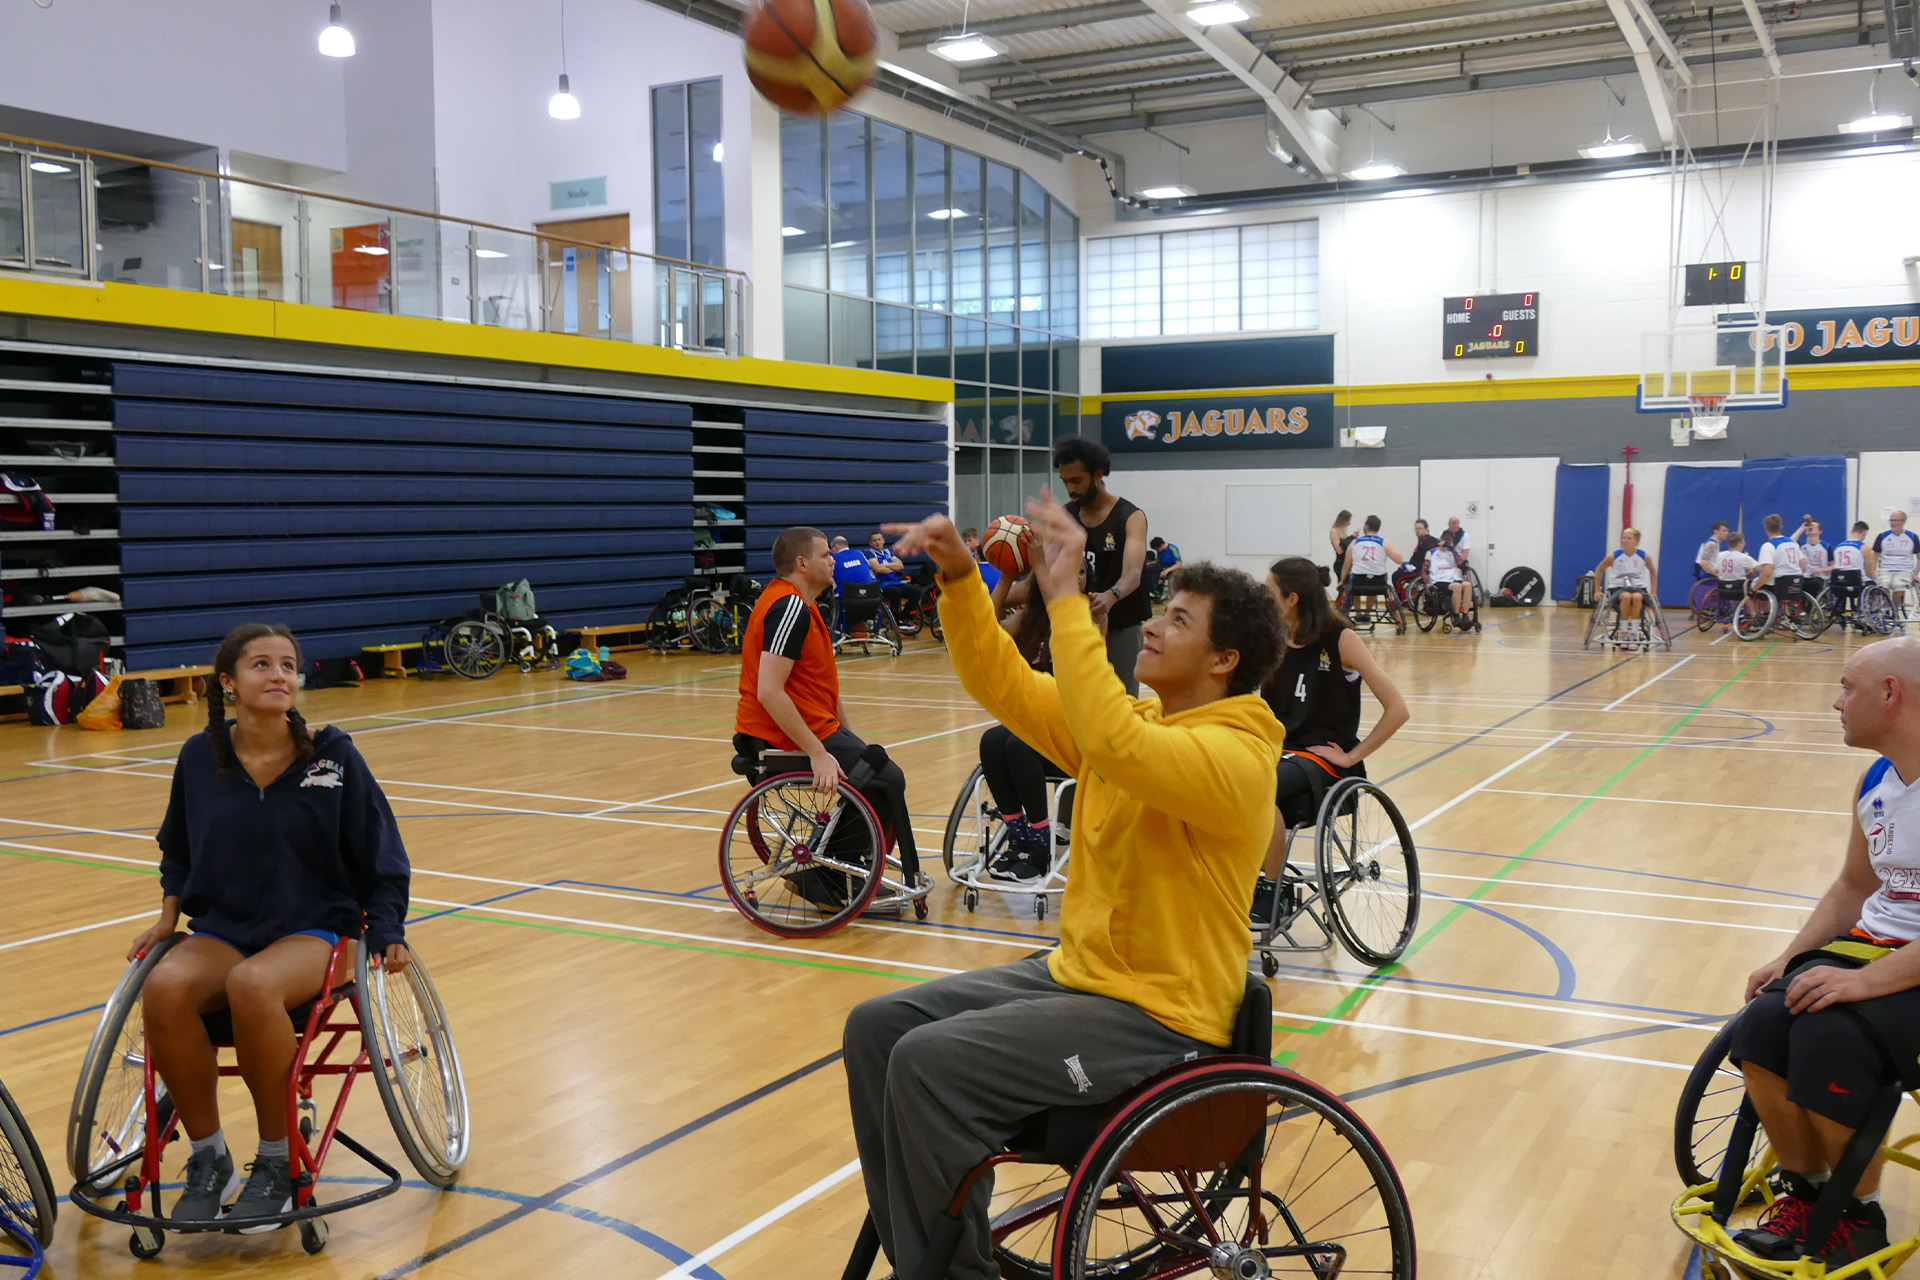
(276, 844)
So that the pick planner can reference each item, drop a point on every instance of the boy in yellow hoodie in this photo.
(1173, 815)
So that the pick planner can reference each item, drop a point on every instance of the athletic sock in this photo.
(215, 1142)
(1871, 1197)
(275, 1150)
(1818, 1179)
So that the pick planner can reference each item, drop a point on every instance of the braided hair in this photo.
(226, 659)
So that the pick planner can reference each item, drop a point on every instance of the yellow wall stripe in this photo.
(146, 306)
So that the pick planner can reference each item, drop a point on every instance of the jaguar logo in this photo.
(1142, 425)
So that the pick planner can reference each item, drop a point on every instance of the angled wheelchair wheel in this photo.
(1703, 1120)
(1875, 609)
(1706, 607)
(886, 629)
(799, 862)
(107, 1124)
(1593, 622)
(27, 1203)
(1369, 872)
(476, 649)
(972, 827)
(1425, 615)
(1238, 1170)
(1755, 616)
(1810, 622)
(706, 623)
(415, 1066)
(1024, 1216)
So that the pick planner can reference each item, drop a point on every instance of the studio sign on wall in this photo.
(1232, 420)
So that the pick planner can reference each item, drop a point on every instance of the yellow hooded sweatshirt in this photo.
(1171, 820)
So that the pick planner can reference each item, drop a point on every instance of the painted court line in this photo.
(1401, 990)
(1657, 679)
(1498, 1044)
(762, 1222)
(1799, 907)
(1695, 804)
(1487, 782)
(85, 928)
(1690, 922)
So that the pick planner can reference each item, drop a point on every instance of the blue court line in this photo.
(469, 906)
(558, 1194)
(58, 1017)
(1567, 976)
(1464, 742)
(1624, 871)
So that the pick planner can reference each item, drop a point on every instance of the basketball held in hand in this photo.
(810, 56)
(1008, 545)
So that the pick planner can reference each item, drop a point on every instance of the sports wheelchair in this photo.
(1868, 607)
(1765, 611)
(695, 615)
(1727, 1174)
(27, 1206)
(801, 863)
(122, 1118)
(1382, 605)
(1364, 889)
(1433, 604)
(1606, 626)
(861, 618)
(1223, 1164)
(975, 836)
(483, 641)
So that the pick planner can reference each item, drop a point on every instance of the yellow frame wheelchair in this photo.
(1715, 1128)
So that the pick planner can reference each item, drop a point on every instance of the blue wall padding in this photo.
(1792, 488)
(1695, 498)
(361, 510)
(1579, 525)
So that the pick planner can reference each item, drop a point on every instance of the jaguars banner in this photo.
(1231, 420)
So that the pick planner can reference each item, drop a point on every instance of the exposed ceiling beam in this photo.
(1104, 11)
(1043, 67)
(1662, 40)
(1142, 120)
(1659, 95)
(1281, 93)
(1765, 37)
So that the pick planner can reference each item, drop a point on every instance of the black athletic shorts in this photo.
(1368, 584)
(1786, 587)
(1300, 786)
(1832, 1063)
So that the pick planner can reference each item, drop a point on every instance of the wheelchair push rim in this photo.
(475, 649)
(972, 821)
(1241, 1170)
(1369, 872)
(27, 1206)
(415, 1067)
(784, 827)
(1703, 1120)
(106, 1127)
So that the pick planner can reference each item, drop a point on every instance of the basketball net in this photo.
(1708, 420)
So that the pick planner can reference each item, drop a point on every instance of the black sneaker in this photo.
(1780, 1233)
(1261, 913)
(1862, 1230)
(269, 1192)
(211, 1181)
(1026, 859)
(1013, 836)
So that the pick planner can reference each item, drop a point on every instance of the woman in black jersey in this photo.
(1316, 695)
(1340, 537)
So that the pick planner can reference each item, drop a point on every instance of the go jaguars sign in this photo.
(1229, 420)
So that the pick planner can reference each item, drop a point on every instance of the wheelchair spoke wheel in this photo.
(1025, 1218)
(1424, 612)
(1875, 609)
(707, 626)
(1703, 1120)
(475, 649)
(971, 827)
(1249, 1171)
(26, 1190)
(1755, 616)
(886, 629)
(799, 862)
(1706, 613)
(415, 1067)
(107, 1125)
(1810, 623)
(1369, 873)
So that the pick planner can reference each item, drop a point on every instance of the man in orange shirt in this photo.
(789, 683)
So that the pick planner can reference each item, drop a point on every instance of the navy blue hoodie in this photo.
(311, 850)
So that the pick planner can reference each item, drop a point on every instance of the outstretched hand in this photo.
(1059, 546)
(938, 538)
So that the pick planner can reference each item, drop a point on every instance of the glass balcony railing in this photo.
(93, 215)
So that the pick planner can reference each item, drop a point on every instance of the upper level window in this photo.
(689, 211)
(1220, 280)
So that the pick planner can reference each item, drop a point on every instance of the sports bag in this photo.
(30, 503)
(140, 705)
(1587, 592)
(73, 642)
(102, 712)
(60, 698)
(515, 601)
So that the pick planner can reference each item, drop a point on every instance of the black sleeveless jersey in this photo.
(1106, 561)
(1315, 697)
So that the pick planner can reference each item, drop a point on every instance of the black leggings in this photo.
(1016, 774)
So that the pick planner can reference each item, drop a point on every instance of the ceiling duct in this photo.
(1903, 36)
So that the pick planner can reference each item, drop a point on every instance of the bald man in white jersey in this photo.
(1806, 1039)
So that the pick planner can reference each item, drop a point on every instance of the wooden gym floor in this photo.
(1609, 844)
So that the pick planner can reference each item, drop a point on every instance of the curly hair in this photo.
(1243, 619)
(1086, 451)
(225, 660)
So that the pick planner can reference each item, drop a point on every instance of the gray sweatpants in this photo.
(941, 1075)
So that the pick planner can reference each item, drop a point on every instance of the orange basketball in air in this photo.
(810, 56)
(1008, 545)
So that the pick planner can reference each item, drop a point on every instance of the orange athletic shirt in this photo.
(813, 684)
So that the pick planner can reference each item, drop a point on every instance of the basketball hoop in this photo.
(1708, 418)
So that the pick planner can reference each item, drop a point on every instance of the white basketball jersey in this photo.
(1734, 565)
(1628, 570)
(1896, 551)
(1849, 556)
(1783, 553)
(1889, 812)
(1369, 555)
(1441, 565)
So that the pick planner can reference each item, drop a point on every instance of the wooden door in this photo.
(256, 261)
(595, 298)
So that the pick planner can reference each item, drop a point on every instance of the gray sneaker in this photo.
(269, 1191)
(211, 1181)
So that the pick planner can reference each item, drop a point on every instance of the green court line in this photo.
(688, 946)
(1354, 998)
(81, 862)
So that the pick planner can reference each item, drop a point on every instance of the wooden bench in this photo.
(177, 684)
(393, 657)
(590, 636)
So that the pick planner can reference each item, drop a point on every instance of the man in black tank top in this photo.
(1116, 550)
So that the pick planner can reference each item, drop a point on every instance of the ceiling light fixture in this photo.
(792, 231)
(1612, 148)
(336, 41)
(1171, 191)
(48, 166)
(1882, 122)
(1216, 13)
(488, 253)
(945, 215)
(966, 47)
(1374, 170)
(719, 152)
(372, 249)
(563, 105)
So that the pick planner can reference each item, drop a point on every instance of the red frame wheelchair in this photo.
(1225, 1165)
(122, 1119)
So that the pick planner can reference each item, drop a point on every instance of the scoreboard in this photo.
(1490, 324)
(1716, 284)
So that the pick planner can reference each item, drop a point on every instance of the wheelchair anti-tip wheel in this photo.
(1703, 1120)
(27, 1204)
(1243, 1171)
(415, 1067)
(475, 649)
(800, 862)
(1369, 872)
(107, 1125)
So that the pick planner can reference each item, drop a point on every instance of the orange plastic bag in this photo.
(104, 711)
